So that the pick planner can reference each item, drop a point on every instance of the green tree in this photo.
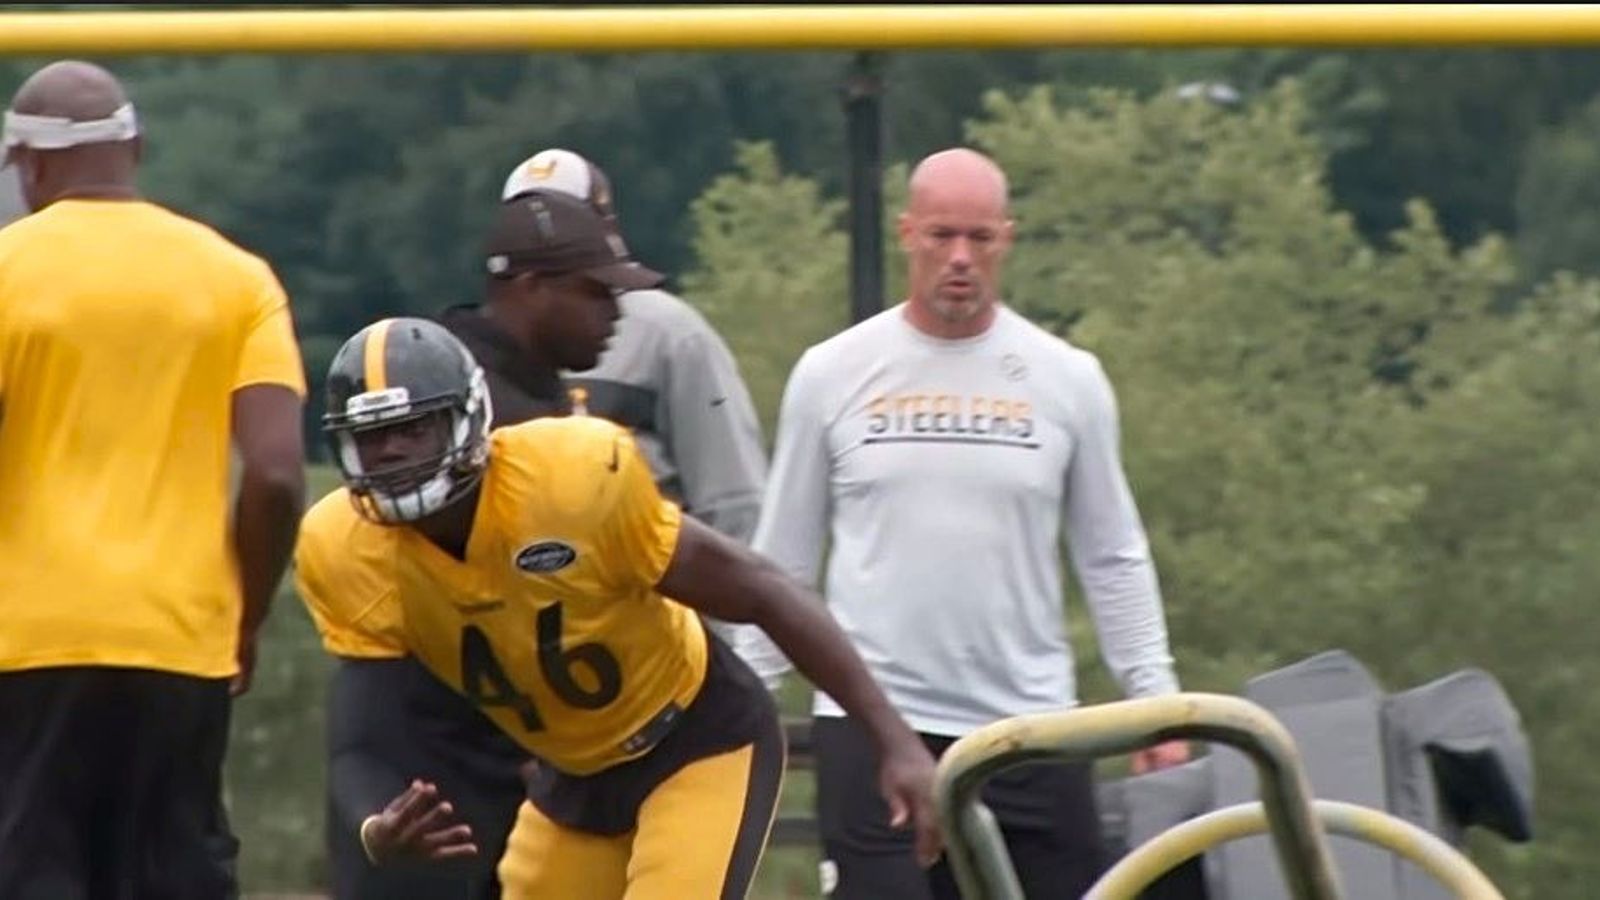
(1350, 420)
(1335, 441)
(1447, 125)
(772, 277)
(1558, 198)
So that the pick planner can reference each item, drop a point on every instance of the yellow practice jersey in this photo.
(552, 625)
(124, 331)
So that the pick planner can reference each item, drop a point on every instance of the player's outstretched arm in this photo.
(365, 723)
(723, 579)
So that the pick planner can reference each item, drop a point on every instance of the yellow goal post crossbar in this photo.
(844, 27)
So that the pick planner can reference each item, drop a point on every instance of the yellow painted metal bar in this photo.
(977, 851)
(471, 30)
(1169, 849)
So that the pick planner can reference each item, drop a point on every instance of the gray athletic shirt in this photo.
(670, 379)
(940, 472)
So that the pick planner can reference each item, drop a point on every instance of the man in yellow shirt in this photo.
(531, 570)
(135, 346)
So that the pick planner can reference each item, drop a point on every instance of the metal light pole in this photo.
(863, 87)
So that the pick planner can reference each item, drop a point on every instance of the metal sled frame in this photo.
(1288, 812)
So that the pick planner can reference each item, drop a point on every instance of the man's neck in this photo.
(518, 333)
(450, 529)
(933, 326)
(92, 173)
(101, 190)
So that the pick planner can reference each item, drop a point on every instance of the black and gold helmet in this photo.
(411, 378)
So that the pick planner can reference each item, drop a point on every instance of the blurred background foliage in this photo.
(1348, 308)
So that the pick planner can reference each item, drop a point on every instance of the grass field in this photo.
(276, 776)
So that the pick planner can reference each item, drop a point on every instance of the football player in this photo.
(539, 573)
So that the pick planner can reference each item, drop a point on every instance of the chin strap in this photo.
(59, 133)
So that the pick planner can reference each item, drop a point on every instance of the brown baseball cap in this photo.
(554, 233)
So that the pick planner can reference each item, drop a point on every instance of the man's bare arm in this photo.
(268, 435)
(721, 578)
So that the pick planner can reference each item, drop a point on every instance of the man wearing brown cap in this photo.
(554, 267)
(666, 375)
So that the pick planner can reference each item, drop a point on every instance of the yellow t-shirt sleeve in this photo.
(641, 529)
(349, 629)
(270, 354)
(351, 599)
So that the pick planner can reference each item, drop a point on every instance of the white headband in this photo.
(57, 133)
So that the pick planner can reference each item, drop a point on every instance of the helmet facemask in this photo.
(419, 487)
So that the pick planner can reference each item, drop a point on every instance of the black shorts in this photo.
(110, 786)
(1046, 812)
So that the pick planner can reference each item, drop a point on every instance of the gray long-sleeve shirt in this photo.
(671, 380)
(941, 473)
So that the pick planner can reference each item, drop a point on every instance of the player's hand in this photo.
(906, 780)
(1161, 756)
(417, 825)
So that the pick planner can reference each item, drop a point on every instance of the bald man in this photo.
(136, 348)
(942, 445)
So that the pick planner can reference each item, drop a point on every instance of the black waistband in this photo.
(732, 709)
(654, 731)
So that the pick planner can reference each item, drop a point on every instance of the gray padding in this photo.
(1333, 708)
(1443, 756)
(1159, 800)
(1466, 728)
(1137, 808)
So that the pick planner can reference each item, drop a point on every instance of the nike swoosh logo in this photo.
(719, 401)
